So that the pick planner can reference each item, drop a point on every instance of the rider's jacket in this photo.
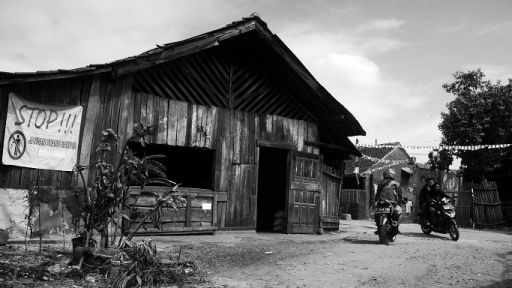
(389, 190)
(435, 195)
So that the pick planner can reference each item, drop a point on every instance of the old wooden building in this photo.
(245, 126)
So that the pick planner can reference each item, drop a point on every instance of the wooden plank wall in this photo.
(331, 186)
(233, 135)
(110, 103)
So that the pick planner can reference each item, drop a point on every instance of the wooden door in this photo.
(304, 192)
(463, 208)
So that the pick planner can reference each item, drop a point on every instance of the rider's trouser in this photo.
(433, 216)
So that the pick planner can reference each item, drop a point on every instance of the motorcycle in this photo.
(445, 213)
(387, 228)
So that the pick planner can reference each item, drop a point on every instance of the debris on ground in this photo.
(135, 266)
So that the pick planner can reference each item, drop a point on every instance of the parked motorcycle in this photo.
(387, 228)
(445, 213)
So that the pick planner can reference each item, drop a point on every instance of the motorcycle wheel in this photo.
(453, 230)
(383, 237)
(425, 229)
(392, 239)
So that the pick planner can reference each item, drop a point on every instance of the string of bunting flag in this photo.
(373, 159)
(440, 147)
(370, 171)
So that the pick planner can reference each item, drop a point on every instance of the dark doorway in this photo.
(272, 189)
(192, 167)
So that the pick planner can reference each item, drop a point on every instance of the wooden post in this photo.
(188, 213)
(214, 209)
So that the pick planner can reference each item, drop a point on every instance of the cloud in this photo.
(344, 10)
(497, 29)
(380, 25)
(350, 69)
(454, 28)
(387, 108)
(76, 34)
(492, 72)
(380, 45)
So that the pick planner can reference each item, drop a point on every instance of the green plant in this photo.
(104, 203)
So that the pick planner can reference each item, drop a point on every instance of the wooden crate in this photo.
(329, 222)
(198, 215)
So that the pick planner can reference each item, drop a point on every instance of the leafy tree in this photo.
(439, 160)
(481, 113)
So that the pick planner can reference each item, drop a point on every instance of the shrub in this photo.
(353, 210)
(344, 207)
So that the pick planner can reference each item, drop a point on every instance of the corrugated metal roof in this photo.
(162, 53)
(4, 75)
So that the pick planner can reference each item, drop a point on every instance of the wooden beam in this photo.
(331, 118)
(325, 145)
(250, 95)
(167, 76)
(239, 228)
(53, 76)
(332, 175)
(204, 83)
(270, 144)
(177, 79)
(218, 75)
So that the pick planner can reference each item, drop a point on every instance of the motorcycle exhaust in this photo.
(394, 223)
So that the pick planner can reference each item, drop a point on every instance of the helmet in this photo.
(389, 173)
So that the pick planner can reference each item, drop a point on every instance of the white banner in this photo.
(42, 136)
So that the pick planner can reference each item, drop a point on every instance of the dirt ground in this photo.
(350, 257)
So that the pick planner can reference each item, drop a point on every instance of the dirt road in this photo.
(352, 257)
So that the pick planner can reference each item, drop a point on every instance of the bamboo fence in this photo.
(487, 204)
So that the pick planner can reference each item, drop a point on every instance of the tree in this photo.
(480, 114)
(440, 160)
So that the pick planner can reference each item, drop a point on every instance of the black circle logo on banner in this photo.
(17, 144)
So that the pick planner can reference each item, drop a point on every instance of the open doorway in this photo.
(272, 189)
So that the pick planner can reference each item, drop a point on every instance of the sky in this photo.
(385, 61)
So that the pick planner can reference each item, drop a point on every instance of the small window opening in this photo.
(192, 167)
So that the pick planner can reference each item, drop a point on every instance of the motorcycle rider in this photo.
(435, 194)
(425, 190)
(389, 190)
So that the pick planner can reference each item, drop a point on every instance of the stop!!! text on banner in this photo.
(41, 135)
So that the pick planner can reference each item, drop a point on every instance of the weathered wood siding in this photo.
(331, 188)
(112, 104)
